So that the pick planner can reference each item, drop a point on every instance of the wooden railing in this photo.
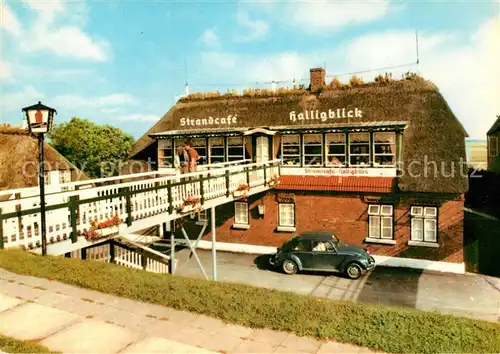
(69, 213)
(127, 254)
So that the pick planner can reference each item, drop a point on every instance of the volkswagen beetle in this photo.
(322, 251)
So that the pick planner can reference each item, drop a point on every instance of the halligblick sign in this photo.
(323, 116)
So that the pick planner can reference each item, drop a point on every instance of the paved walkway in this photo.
(73, 320)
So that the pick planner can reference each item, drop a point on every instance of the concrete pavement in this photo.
(464, 295)
(69, 319)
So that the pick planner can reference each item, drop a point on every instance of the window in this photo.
(290, 147)
(380, 220)
(235, 148)
(384, 148)
(335, 149)
(286, 214)
(424, 224)
(322, 246)
(64, 176)
(202, 217)
(313, 149)
(303, 246)
(241, 213)
(165, 153)
(493, 143)
(200, 145)
(216, 150)
(359, 149)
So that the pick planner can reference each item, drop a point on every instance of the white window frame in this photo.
(241, 215)
(211, 144)
(285, 224)
(165, 152)
(493, 146)
(392, 144)
(424, 219)
(202, 217)
(378, 214)
(363, 144)
(329, 155)
(320, 145)
(242, 146)
(297, 145)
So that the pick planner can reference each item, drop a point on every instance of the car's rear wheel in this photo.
(289, 266)
(353, 271)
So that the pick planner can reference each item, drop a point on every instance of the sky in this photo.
(124, 62)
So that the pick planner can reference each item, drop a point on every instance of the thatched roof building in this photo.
(433, 136)
(19, 159)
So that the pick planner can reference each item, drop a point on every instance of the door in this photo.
(325, 256)
(262, 149)
(303, 251)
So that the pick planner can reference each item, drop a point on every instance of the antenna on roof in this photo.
(186, 87)
(418, 58)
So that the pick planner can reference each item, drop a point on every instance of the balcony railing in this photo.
(70, 212)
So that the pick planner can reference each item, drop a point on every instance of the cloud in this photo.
(139, 117)
(256, 29)
(5, 71)
(317, 16)
(17, 100)
(48, 33)
(464, 68)
(210, 38)
(9, 22)
(75, 101)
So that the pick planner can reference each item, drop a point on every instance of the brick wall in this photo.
(346, 216)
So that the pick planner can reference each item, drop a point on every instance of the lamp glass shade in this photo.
(39, 120)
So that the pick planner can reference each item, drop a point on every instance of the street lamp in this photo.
(39, 118)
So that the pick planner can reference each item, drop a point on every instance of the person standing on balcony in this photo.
(193, 156)
(181, 160)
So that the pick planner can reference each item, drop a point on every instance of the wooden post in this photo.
(128, 205)
(72, 212)
(171, 266)
(144, 259)
(1, 230)
(248, 175)
(112, 251)
(227, 183)
(84, 253)
(169, 196)
(202, 197)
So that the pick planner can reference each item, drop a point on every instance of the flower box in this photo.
(189, 205)
(241, 191)
(103, 229)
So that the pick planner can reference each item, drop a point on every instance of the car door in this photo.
(327, 258)
(303, 251)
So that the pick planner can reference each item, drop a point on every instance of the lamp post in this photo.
(39, 118)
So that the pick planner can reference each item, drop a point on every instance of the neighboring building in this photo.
(380, 164)
(494, 146)
(19, 161)
(477, 154)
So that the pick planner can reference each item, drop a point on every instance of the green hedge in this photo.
(384, 328)
(12, 345)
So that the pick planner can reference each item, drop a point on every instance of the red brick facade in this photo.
(347, 216)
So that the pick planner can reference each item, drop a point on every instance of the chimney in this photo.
(186, 88)
(317, 79)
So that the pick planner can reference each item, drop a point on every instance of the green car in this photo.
(322, 251)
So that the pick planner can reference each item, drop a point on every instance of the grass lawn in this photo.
(384, 328)
(11, 345)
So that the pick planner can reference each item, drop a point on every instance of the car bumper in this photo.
(371, 264)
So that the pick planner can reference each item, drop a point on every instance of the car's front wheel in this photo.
(353, 271)
(289, 266)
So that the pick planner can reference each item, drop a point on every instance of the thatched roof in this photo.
(495, 127)
(19, 159)
(433, 133)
